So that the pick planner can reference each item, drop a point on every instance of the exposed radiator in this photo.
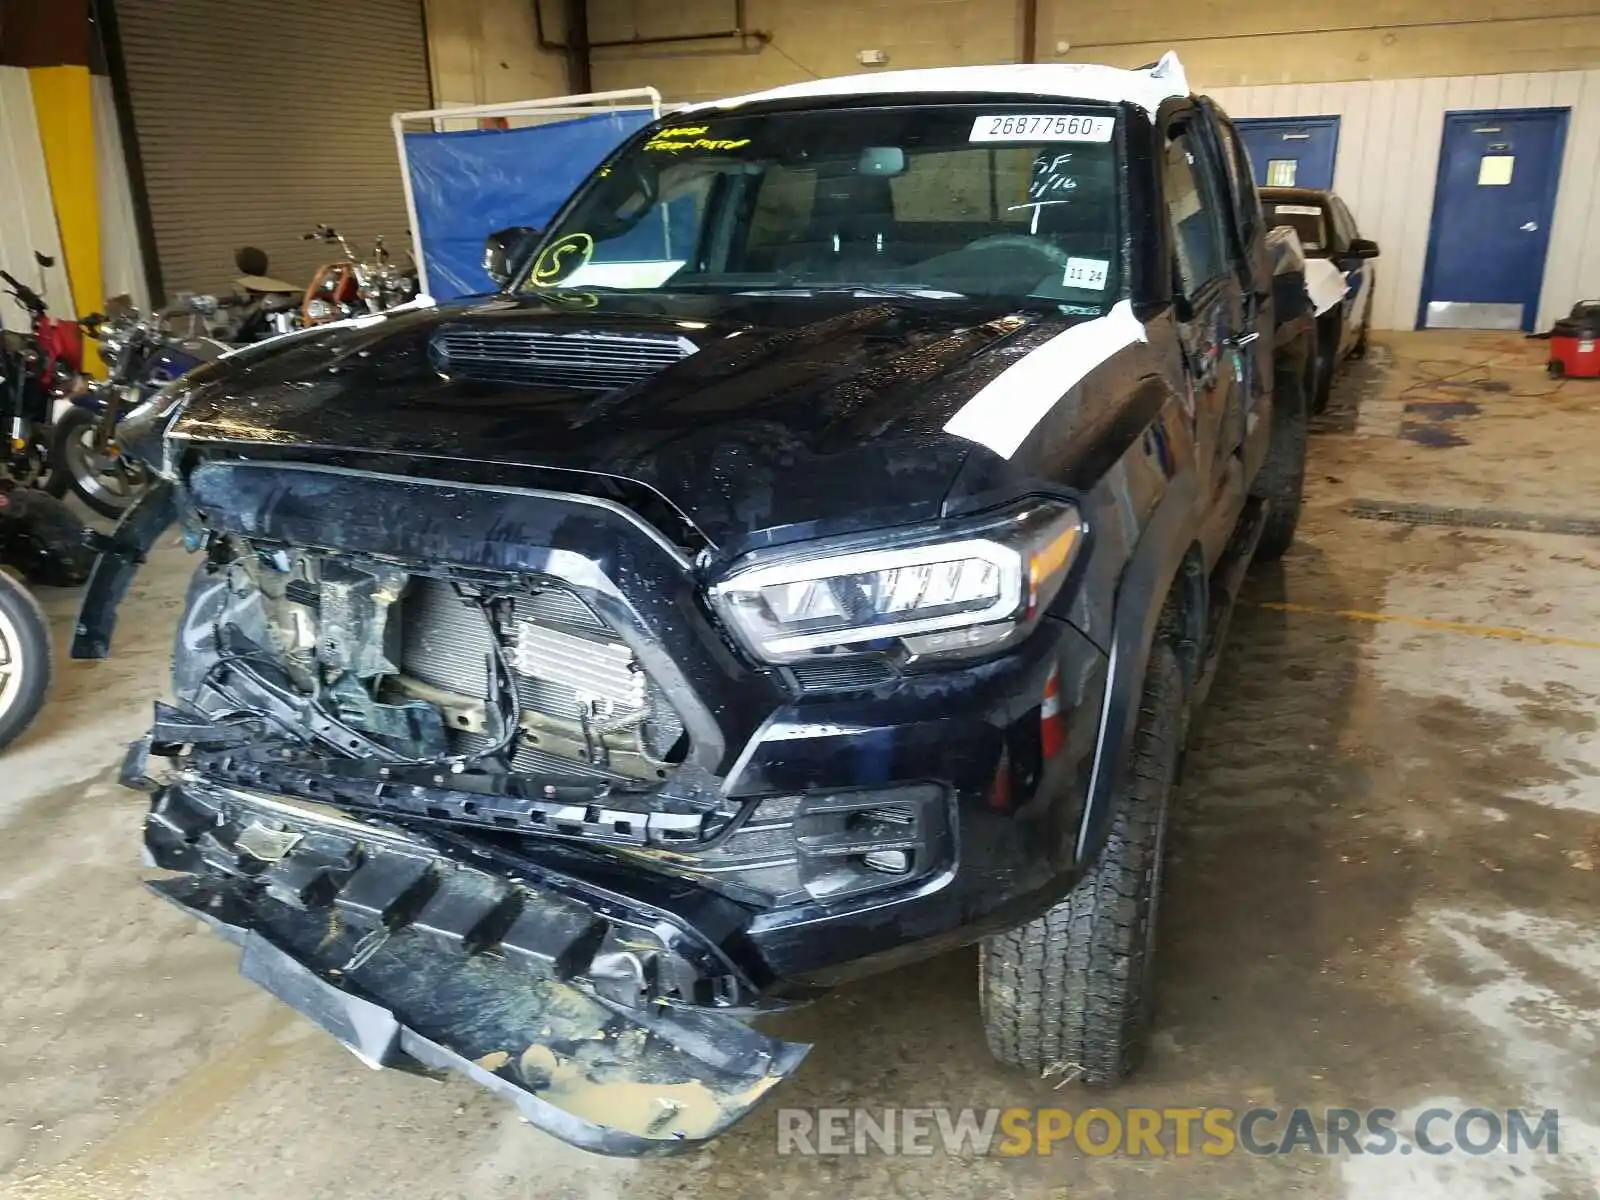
(568, 664)
(446, 640)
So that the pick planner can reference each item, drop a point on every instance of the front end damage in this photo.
(476, 773)
(440, 953)
(415, 724)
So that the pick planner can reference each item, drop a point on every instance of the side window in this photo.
(667, 235)
(1344, 225)
(1241, 181)
(1192, 215)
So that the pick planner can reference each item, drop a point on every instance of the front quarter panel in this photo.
(1113, 442)
(1122, 443)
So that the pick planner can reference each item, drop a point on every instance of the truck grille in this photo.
(587, 361)
(597, 713)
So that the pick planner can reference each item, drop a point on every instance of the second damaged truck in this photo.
(809, 561)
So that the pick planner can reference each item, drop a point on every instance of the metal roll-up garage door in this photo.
(257, 121)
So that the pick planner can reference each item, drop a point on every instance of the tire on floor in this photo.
(1070, 993)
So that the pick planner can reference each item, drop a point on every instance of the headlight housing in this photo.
(948, 590)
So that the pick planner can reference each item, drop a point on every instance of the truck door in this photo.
(1253, 264)
(1210, 307)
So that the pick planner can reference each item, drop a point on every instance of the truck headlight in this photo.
(950, 589)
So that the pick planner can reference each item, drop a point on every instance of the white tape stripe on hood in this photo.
(1008, 408)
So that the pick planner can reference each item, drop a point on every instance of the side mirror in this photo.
(1362, 248)
(504, 251)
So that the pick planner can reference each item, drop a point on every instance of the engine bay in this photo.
(514, 675)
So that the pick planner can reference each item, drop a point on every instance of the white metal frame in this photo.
(585, 104)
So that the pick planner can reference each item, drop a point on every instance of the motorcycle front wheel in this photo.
(107, 483)
(25, 665)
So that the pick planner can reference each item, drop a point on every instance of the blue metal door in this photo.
(1291, 151)
(1492, 205)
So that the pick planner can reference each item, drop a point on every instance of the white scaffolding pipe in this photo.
(554, 106)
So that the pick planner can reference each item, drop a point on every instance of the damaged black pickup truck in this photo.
(808, 562)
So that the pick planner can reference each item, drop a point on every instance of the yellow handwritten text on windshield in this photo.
(691, 137)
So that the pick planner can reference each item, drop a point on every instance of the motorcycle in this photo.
(351, 287)
(24, 658)
(41, 539)
(143, 355)
(39, 535)
(36, 369)
(266, 306)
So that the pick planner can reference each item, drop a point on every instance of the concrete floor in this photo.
(1383, 890)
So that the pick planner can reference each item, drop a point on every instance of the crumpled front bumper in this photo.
(414, 955)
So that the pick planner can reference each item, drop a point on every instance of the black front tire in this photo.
(1071, 992)
(25, 659)
(1282, 478)
(1359, 350)
(1327, 359)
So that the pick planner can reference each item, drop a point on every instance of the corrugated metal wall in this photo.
(29, 218)
(257, 121)
(1389, 137)
(121, 268)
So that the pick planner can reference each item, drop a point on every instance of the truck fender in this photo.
(1141, 595)
(121, 555)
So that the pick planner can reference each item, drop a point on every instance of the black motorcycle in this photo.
(143, 352)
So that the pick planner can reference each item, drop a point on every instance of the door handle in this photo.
(1530, 227)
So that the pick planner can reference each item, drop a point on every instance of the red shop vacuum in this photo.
(1575, 343)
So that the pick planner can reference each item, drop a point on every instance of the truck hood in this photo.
(786, 416)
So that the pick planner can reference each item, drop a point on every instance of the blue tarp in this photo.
(467, 185)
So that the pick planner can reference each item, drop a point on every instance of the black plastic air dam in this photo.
(406, 954)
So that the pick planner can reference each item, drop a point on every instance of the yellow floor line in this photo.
(1507, 632)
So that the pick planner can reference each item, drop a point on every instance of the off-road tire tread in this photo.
(1069, 992)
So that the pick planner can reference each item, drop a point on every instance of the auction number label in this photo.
(1041, 127)
(1089, 273)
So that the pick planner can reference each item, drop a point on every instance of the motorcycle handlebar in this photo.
(30, 299)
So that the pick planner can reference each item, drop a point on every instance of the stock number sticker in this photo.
(1051, 127)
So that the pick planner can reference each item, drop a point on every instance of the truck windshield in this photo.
(1005, 200)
